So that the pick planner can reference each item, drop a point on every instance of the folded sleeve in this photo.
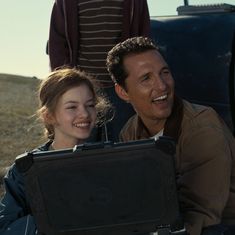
(15, 217)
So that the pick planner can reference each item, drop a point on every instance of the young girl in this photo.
(69, 107)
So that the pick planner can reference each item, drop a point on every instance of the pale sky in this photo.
(24, 28)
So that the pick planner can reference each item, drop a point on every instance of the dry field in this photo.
(19, 129)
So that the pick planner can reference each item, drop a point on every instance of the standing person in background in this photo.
(83, 31)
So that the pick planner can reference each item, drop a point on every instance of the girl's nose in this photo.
(83, 112)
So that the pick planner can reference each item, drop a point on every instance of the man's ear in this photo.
(121, 92)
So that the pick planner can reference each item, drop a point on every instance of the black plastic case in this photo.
(103, 188)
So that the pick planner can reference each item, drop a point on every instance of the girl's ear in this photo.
(121, 92)
(48, 118)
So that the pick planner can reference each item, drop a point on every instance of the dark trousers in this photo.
(122, 112)
(219, 229)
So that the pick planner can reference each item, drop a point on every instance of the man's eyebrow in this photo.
(165, 67)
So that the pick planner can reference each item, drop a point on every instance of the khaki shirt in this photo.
(205, 152)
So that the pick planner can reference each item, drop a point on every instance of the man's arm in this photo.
(204, 172)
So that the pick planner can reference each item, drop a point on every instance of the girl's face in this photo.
(74, 117)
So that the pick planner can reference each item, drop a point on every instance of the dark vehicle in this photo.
(199, 45)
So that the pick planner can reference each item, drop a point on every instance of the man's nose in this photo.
(159, 82)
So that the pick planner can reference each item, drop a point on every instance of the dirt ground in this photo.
(20, 130)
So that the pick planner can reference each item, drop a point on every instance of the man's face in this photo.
(149, 87)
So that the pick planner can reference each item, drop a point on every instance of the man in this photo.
(83, 31)
(205, 148)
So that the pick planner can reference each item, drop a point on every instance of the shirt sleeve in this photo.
(144, 23)
(58, 49)
(15, 217)
(204, 173)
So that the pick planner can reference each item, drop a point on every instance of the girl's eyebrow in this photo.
(71, 102)
(77, 102)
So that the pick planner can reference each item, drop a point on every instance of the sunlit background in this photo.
(24, 28)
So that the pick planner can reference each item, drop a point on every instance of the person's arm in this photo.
(144, 21)
(15, 217)
(136, 21)
(204, 175)
(57, 47)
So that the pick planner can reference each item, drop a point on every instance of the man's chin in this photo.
(163, 114)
